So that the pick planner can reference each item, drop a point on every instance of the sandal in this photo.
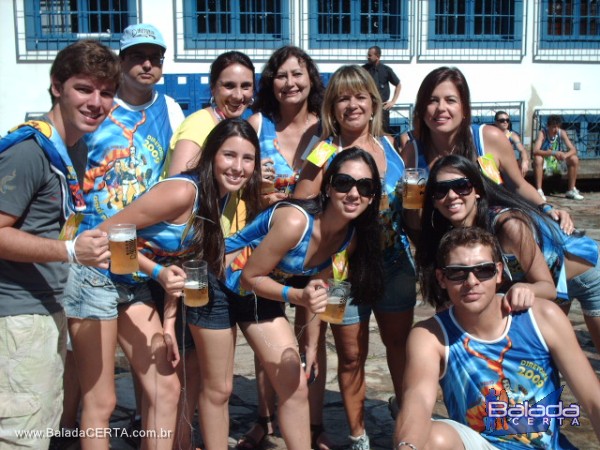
(247, 442)
(317, 438)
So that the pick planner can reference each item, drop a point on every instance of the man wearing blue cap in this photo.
(126, 158)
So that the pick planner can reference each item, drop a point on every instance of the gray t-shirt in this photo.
(30, 191)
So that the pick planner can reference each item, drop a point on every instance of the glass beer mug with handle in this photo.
(122, 241)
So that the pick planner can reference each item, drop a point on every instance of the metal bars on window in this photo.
(53, 24)
(236, 23)
(358, 23)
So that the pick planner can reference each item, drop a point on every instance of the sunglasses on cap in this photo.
(484, 271)
(461, 186)
(344, 183)
(503, 120)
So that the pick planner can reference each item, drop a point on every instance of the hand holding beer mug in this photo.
(195, 291)
(122, 241)
(337, 296)
(413, 188)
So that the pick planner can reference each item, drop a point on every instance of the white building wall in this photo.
(23, 85)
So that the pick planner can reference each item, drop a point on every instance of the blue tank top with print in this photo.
(553, 244)
(394, 239)
(165, 243)
(126, 157)
(478, 371)
(269, 148)
(290, 265)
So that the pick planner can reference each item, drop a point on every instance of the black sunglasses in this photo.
(482, 272)
(140, 58)
(343, 183)
(503, 120)
(461, 186)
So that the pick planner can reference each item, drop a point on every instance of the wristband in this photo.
(545, 207)
(284, 294)
(406, 444)
(156, 271)
(71, 255)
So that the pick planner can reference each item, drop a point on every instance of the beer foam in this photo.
(122, 236)
(192, 284)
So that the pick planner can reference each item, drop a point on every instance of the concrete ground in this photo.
(379, 387)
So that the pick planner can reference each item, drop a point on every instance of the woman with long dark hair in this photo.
(181, 218)
(442, 126)
(286, 120)
(294, 238)
(538, 255)
(352, 117)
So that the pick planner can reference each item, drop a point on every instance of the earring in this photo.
(212, 100)
(251, 102)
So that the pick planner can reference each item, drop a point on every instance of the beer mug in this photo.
(337, 297)
(122, 242)
(195, 289)
(413, 188)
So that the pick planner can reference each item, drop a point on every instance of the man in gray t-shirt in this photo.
(39, 193)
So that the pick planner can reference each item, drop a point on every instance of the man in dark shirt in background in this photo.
(383, 76)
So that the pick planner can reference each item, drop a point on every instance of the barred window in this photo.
(54, 24)
(235, 23)
(359, 23)
(570, 24)
(475, 24)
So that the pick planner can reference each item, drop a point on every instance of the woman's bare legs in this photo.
(187, 371)
(94, 345)
(140, 335)
(72, 396)
(316, 390)
(352, 344)
(215, 350)
(275, 345)
(394, 329)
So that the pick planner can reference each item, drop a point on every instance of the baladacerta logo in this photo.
(505, 414)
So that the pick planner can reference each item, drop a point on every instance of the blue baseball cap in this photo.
(141, 33)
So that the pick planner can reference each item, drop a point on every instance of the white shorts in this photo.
(472, 440)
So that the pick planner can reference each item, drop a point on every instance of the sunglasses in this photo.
(507, 120)
(343, 183)
(461, 186)
(140, 58)
(484, 271)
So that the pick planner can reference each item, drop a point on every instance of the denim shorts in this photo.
(586, 289)
(90, 294)
(226, 308)
(399, 295)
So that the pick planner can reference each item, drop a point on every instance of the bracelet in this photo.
(284, 294)
(545, 207)
(71, 255)
(406, 444)
(156, 271)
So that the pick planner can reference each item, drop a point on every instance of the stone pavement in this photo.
(379, 423)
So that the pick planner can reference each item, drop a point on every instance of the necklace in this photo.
(375, 145)
(218, 113)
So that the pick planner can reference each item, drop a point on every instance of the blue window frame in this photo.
(573, 24)
(210, 24)
(359, 23)
(54, 24)
(476, 24)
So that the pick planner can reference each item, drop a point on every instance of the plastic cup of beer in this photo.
(122, 241)
(337, 296)
(413, 188)
(195, 289)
